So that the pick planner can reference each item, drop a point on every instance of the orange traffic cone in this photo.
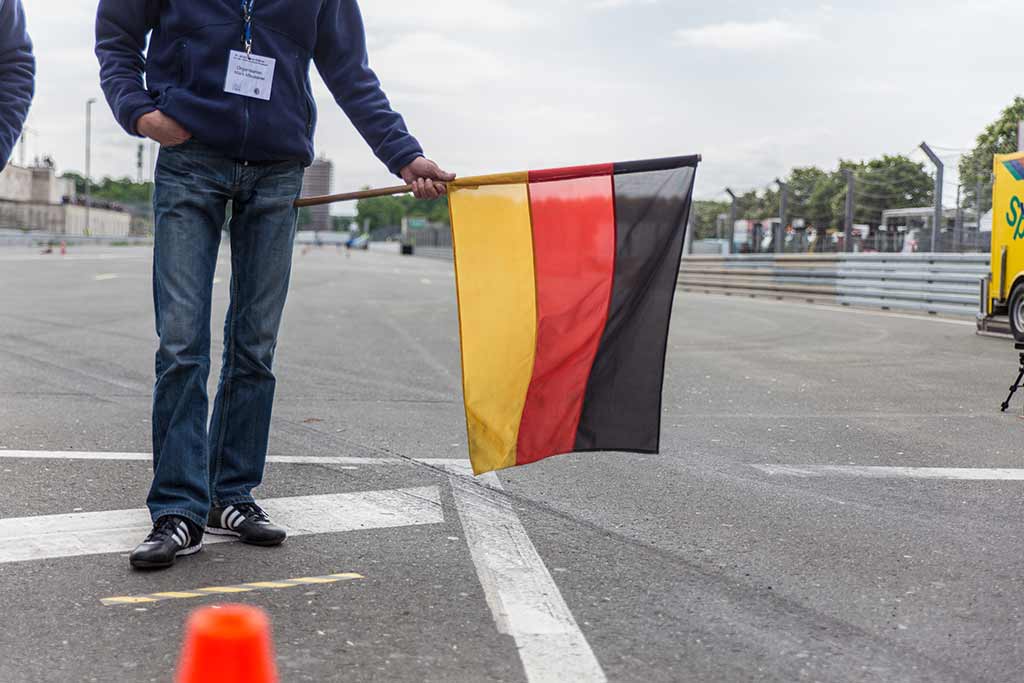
(227, 644)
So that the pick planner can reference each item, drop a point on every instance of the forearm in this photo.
(121, 29)
(17, 76)
(342, 60)
(382, 127)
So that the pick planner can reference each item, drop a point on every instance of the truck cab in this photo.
(1003, 289)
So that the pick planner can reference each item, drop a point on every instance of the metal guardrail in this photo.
(932, 283)
(443, 253)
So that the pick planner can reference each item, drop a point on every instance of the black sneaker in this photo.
(248, 522)
(172, 536)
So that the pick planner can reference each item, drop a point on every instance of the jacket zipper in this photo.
(182, 48)
(245, 129)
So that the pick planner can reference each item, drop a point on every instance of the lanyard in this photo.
(247, 7)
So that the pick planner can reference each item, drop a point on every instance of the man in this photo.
(17, 76)
(227, 95)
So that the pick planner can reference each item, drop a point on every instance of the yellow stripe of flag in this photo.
(497, 311)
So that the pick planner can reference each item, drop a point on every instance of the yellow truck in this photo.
(1003, 289)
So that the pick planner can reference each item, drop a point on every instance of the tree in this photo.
(705, 219)
(999, 137)
(758, 204)
(341, 223)
(892, 182)
(388, 212)
(120, 191)
(811, 191)
(820, 208)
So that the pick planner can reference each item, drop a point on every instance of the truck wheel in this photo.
(1016, 312)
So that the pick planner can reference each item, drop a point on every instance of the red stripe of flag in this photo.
(570, 172)
(574, 252)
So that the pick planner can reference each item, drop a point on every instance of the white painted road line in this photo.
(947, 473)
(523, 597)
(147, 457)
(117, 531)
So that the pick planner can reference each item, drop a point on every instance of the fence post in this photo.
(958, 227)
(848, 224)
(731, 228)
(939, 170)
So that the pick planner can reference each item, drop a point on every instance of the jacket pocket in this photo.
(307, 92)
(310, 112)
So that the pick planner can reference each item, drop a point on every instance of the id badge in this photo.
(250, 75)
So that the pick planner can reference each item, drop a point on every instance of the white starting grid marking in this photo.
(117, 531)
(522, 595)
(870, 472)
(523, 598)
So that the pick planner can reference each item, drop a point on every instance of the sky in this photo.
(500, 85)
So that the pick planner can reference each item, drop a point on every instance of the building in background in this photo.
(316, 182)
(36, 198)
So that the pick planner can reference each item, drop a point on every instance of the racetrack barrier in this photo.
(924, 282)
(931, 283)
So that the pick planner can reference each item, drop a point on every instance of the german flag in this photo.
(565, 280)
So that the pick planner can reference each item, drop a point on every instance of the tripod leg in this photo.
(1013, 389)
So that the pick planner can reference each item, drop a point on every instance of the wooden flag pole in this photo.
(349, 196)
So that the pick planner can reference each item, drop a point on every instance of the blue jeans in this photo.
(195, 466)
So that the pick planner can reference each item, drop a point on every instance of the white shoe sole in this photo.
(189, 551)
(217, 531)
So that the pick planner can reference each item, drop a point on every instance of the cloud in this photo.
(434, 62)
(449, 15)
(745, 36)
(615, 4)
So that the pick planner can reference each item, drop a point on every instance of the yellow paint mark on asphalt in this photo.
(227, 590)
(127, 601)
(102, 277)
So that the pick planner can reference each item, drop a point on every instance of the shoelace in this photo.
(253, 512)
(163, 530)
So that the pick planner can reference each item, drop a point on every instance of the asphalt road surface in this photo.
(838, 498)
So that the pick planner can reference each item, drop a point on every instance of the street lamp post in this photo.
(88, 164)
(780, 236)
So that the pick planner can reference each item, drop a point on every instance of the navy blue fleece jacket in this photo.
(183, 71)
(17, 75)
